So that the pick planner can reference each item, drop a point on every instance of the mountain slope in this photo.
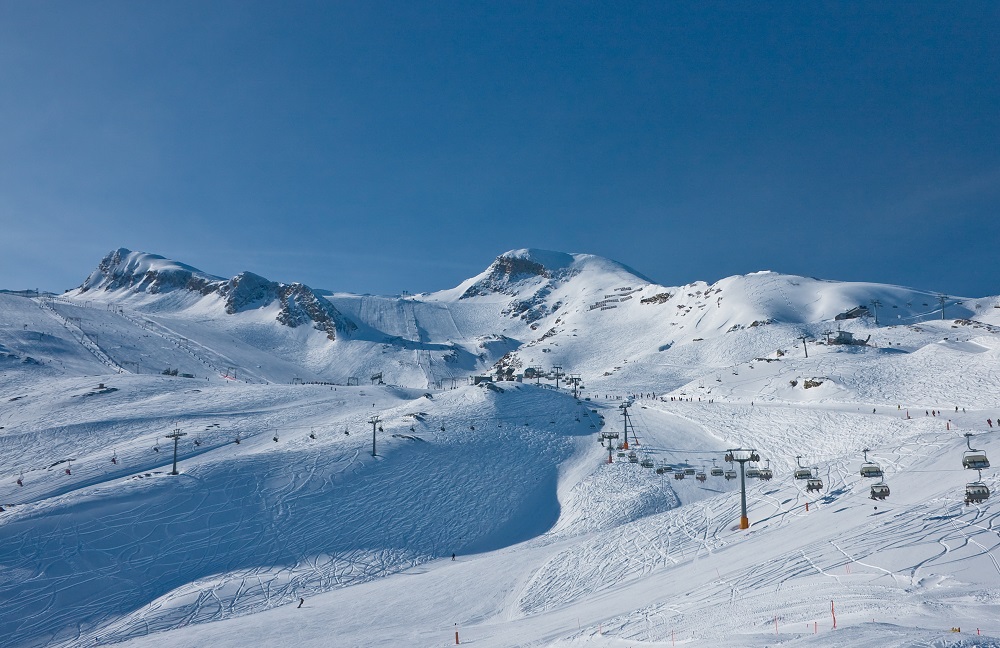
(99, 545)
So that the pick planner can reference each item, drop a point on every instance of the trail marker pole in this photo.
(175, 435)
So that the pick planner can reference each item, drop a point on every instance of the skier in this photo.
(301, 601)
(453, 557)
(989, 422)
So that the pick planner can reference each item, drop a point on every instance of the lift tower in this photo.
(175, 435)
(742, 455)
(627, 423)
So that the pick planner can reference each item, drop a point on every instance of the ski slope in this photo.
(554, 546)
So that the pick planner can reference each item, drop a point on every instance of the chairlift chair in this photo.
(689, 471)
(679, 474)
(975, 460)
(701, 476)
(730, 474)
(646, 463)
(976, 492)
(621, 454)
(633, 457)
(766, 474)
(753, 473)
(871, 469)
(972, 458)
(717, 472)
(801, 472)
(880, 491)
(814, 484)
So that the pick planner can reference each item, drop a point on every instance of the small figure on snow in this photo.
(301, 601)
(452, 557)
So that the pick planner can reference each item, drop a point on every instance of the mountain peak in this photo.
(124, 269)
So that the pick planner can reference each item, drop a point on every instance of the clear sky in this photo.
(387, 146)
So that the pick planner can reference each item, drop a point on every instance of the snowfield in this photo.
(279, 498)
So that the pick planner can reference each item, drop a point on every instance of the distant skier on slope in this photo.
(301, 601)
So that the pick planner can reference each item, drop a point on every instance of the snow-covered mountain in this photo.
(280, 495)
(160, 284)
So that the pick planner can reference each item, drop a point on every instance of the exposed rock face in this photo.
(138, 272)
(503, 273)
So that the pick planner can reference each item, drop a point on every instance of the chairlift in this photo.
(646, 463)
(312, 435)
(730, 475)
(976, 492)
(114, 458)
(668, 468)
(633, 457)
(679, 474)
(766, 474)
(802, 472)
(717, 472)
(689, 471)
(870, 468)
(972, 458)
(621, 454)
(157, 448)
(701, 476)
(69, 464)
(814, 484)
(753, 473)
(880, 491)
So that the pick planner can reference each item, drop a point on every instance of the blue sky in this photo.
(381, 147)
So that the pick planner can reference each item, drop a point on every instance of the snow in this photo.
(555, 547)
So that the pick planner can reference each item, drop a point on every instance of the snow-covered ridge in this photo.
(124, 274)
